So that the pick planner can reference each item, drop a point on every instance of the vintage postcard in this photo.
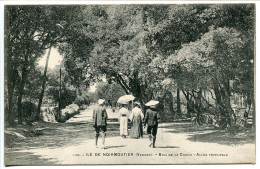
(129, 84)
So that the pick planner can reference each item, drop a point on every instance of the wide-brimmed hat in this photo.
(152, 103)
(137, 103)
(101, 101)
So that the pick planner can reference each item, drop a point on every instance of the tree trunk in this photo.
(43, 86)
(139, 94)
(119, 81)
(178, 102)
(198, 106)
(171, 104)
(253, 109)
(60, 92)
(222, 93)
(164, 106)
(20, 95)
(188, 100)
(218, 100)
(9, 108)
(229, 111)
(10, 76)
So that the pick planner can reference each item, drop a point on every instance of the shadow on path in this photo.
(210, 134)
(225, 138)
(109, 147)
(27, 158)
(167, 147)
(188, 128)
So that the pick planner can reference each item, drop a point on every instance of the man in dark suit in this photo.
(152, 119)
(100, 121)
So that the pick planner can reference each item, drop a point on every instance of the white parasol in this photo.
(152, 103)
(101, 101)
(125, 99)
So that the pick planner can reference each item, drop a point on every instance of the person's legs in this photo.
(141, 129)
(154, 132)
(154, 139)
(103, 134)
(150, 139)
(96, 140)
(149, 135)
(103, 139)
(96, 135)
(121, 126)
(125, 126)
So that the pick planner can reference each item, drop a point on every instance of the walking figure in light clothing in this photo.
(123, 119)
(136, 118)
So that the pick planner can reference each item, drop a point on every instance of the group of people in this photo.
(136, 117)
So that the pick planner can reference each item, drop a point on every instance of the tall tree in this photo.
(215, 60)
(25, 43)
(43, 85)
(30, 30)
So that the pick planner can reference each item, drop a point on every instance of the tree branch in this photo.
(124, 83)
(211, 95)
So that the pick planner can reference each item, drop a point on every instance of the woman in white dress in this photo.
(136, 118)
(123, 119)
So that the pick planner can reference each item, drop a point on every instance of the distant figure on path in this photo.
(137, 118)
(100, 121)
(152, 119)
(123, 119)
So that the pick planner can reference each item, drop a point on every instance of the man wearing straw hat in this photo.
(100, 121)
(152, 119)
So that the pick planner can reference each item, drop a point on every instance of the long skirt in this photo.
(137, 128)
(123, 126)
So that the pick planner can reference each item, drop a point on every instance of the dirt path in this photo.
(174, 146)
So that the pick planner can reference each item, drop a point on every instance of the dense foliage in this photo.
(172, 53)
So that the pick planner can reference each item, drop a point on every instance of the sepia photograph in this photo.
(99, 84)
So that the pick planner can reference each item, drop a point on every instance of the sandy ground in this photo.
(172, 147)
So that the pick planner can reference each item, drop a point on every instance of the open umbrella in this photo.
(125, 99)
(101, 101)
(152, 103)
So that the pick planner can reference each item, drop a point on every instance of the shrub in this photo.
(28, 110)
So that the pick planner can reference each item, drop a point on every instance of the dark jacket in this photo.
(151, 117)
(99, 116)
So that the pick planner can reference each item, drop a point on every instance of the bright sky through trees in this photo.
(55, 59)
